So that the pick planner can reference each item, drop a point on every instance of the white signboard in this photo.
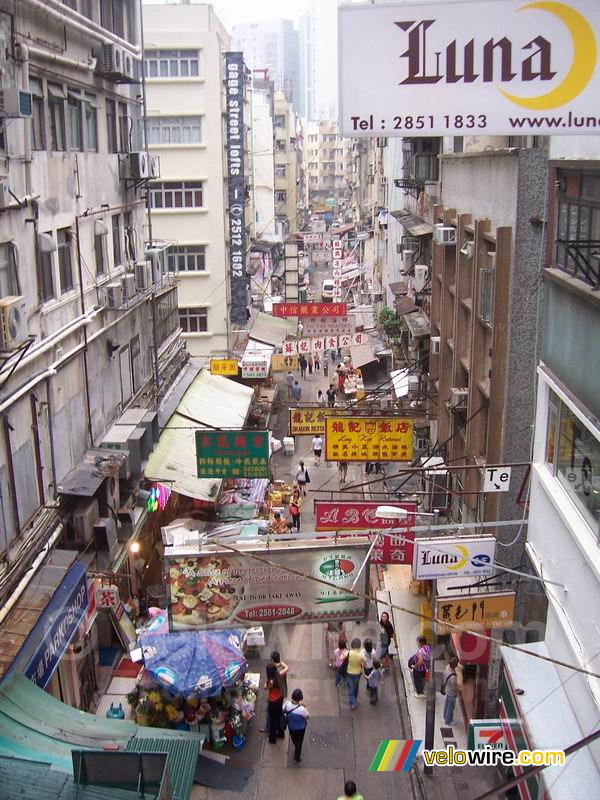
(256, 368)
(444, 558)
(496, 479)
(313, 238)
(469, 68)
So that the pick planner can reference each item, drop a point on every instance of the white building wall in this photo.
(264, 172)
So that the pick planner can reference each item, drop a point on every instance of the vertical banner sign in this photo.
(234, 72)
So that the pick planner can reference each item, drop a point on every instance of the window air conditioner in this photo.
(468, 248)
(13, 321)
(114, 295)
(15, 103)
(107, 543)
(110, 497)
(128, 285)
(83, 520)
(116, 63)
(444, 235)
(413, 383)
(435, 344)
(143, 275)
(421, 272)
(458, 399)
(139, 166)
(155, 167)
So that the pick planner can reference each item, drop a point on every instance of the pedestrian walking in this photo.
(341, 654)
(356, 665)
(294, 507)
(300, 330)
(369, 657)
(311, 363)
(317, 446)
(386, 636)
(296, 392)
(289, 379)
(303, 365)
(302, 477)
(374, 680)
(333, 355)
(343, 470)
(451, 683)
(282, 671)
(419, 664)
(334, 631)
(297, 719)
(330, 396)
(317, 363)
(274, 703)
(321, 399)
(325, 366)
(350, 792)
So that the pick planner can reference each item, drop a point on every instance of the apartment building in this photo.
(327, 163)
(184, 64)
(287, 164)
(89, 329)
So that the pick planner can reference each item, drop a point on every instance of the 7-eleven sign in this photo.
(486, 733)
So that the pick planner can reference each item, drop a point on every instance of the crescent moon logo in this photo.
(465, 557)
(581, 69)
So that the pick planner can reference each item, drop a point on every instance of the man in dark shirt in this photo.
(331, 396)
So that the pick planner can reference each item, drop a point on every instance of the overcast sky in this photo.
(231, 12)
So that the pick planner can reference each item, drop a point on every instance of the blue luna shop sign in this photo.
(55, 628)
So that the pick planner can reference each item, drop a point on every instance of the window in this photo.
(125, 128)
(175, 130)
(99, 253)
(426, 167)
(186, 194)
(279, 120)
(38, 132)
(280, 196)
(65, 267)
(9, 281)
(116, 240)
(187, 258)
(280, 170)
(111, 127)
(91, 122)
(74, 121)
(2, 139)
(46, 276)
(280, 145)
(56, 112)
(485, 308)
(130, 250)
(112, 16)
(193, 320)
(578, 226)
(575, 458)
(172, 63)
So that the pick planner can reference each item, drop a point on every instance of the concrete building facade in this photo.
(287, 163)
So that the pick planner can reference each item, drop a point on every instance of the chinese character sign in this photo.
(393, 548)
(290, 348)
(255, 368)
(223, 366)
(309, 421)
(107, 597)
(348, 515)
(309, 309)
(368, 439)
(282, 362)
(475, 612)
(232, 454)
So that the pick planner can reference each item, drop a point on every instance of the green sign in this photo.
(232, 454)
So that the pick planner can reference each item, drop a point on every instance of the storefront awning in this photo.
(210, 402)
(417, 324)
(86, 477)
(272, 330)
(415, 226)
(404, 305)
(362, 354)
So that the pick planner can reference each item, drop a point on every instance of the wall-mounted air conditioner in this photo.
(114, 295)
(444, 235)
(458, 398)
(128, 284)
(13, 321)
(154, 167)
(139, 164)
(435, 344)
(421, 272)
(413, 383)
(143, 275)
(468, 248)
(129, 438)
(15, 103)
(116, 64)
(83, 519)
(107, 542)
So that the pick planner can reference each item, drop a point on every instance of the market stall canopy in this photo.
(211, 402)
(414, 225)
(272, 330)
(200, 662)
(372, 347)
(418, 324)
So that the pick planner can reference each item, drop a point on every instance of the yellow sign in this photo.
(223, 366)
(368, 439)
(281, 363)
(309, 420)
(475, 612)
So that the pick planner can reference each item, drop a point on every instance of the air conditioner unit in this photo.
(413, 383)
(109, 497)
(114, 295)
(129, 438)
(13, 321)
(435, 344)
(116, 63)
(421, 272)
(83, 518)
(458, 398)
(492, 257)
(444, 235)
(107, 543)
(139, 166)
(422, 443)
(154, 167)
(143, 275)
(128, 284)
(15, 103)
(158, 258)
(468, 248)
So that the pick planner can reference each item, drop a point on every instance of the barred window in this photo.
(187, 258)
(175, 130)
(177, 194)
(193, 320)
(65, 267)
(172, 63)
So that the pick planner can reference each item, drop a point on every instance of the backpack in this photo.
(444, 682)
(285, 720)
(342, 663)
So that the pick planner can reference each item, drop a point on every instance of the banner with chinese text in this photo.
(349, 515)
(282, 363)
(475, 613)
(255, 368)
(368, 439)
(309, 421)
(327, 326)
(223, 366)
(309, 309)
(232, 454)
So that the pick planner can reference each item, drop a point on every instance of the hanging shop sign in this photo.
(349, 515)
(368, 439)
(107, 597)
(56, 626)
(290, 347)
(455, 558)
(283, 362)
(438, 77)
(232, 454)
(236, 189)
(218, 589)
(308, 421)
(309, 309)
(475, 612)
(223, 366)
(486, 733)
(393, 548)
(255, 368)
(313, 238)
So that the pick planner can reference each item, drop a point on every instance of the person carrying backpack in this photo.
(297, 718)
(341, 661)
(451, 682)
(419, 664)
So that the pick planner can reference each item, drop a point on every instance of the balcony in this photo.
(581, 259)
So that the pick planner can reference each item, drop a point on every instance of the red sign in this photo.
(309, 309)
(393, 548)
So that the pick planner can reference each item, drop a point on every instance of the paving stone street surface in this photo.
(340, 744)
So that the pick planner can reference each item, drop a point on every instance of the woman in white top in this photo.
(317, 446)
(297, 718)
(321, 399)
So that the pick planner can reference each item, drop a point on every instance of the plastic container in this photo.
(239, 742)
(288, 445)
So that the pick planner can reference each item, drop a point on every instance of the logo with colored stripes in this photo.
(395, 755)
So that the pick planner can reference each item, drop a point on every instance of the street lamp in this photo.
(396, 512)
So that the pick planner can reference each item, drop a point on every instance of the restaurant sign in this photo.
(283, 363)
(309, 309)
(232, 454)
(327, 326)
(308, 421)
(223, 366)
(349, 515)
(455, 558)
(475, 612)
(218, 590)
(255, 368)
(368, 439)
